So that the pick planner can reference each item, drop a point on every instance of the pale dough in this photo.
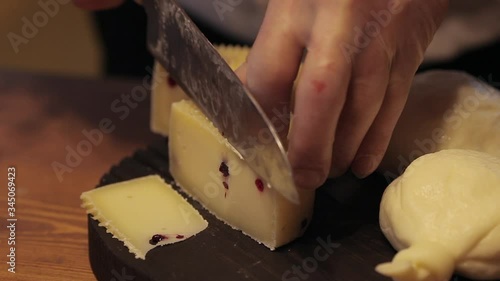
(445, 110)
(444, 214)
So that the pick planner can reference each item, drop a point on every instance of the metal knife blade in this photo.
(180, 47)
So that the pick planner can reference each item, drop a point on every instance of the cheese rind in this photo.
(208, 168)
(143, 213)
(165, 91)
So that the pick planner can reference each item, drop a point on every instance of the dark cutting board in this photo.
(343, 242)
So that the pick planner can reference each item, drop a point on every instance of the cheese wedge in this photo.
(209, 169)
(165, 90)
(143, 213)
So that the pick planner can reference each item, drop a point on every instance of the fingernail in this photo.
(363, 166)
(307, 179)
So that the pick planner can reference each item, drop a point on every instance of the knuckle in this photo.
(363, 94)
(378, 148)
(398, 89)
(378, 151)
(375, 62)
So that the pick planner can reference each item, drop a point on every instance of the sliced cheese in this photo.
(143, 213)
(165, 90)
(208, 168)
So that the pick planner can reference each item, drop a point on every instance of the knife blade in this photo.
(182, 49)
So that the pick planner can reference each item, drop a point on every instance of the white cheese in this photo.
(207, 167)
(165, 90)
(143, 213)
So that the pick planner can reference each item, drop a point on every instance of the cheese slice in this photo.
(143, 213)
(165, 90)
(209, 169)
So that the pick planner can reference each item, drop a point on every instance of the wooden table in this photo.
(41, 120)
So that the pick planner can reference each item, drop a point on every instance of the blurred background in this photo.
(55, 37)
(75, 42)
(68, 44)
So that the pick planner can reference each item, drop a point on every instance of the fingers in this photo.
(319, 99)
(404, 65)
(377, 139)
(274, 59)
(97, 4)
(364, 100)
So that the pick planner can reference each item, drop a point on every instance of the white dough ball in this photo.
(443, 214)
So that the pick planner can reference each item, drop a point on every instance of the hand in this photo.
(354, 82)
(361, 59)
(97, 4)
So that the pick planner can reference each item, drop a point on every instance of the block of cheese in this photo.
(143, 213)
(165, 90)
(209, 169)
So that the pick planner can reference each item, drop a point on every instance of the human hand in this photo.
(354, 82)
(362, 56)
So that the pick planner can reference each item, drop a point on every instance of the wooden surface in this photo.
(39, 118)
(42, 118)
(344, 229)
(343, 241)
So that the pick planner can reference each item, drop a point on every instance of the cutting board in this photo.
(343, 241)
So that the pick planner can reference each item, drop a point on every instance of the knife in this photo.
(182, 49)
